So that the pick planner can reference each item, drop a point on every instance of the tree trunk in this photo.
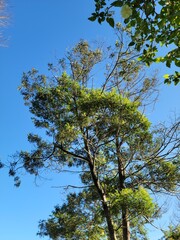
(112, 234)
(125, 225)
(125, 221)
(100, 190)
(121, 170)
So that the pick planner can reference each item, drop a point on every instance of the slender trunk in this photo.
(125, 221)
(125, 225)
(100, 190)
(112, 234)
(121, 170)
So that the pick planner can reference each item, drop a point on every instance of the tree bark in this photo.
(111, 230)
(101, 192)
(124, 210)
(125, 225)
(125, 221)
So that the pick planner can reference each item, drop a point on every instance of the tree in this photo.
(153, 23)
(100, 130)
(3, 17)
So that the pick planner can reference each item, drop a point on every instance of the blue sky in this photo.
(39, 32)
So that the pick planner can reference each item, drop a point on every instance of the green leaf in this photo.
(138, 47)
(117, 4)
(177, 63)
(110, 21)
(131, 44)
(126, 20)
(176, 81)
(167, 81)
(168, 63)
(166, 76)
(92, 18)
(159, 59)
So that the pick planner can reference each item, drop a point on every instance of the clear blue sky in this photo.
(39, 32)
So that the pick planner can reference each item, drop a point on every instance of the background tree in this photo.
(3, 19)
(173, 233)
(100, 130)
(153, 24)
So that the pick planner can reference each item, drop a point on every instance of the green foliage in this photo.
(76, 219)
(81, 217)
(152, 23)
(173, 233)
(137, 201)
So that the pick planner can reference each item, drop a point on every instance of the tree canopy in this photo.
(100, 131)
(153, 24)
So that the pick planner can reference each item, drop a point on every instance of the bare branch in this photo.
(72, 186)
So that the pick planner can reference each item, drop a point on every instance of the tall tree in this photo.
(153, 23)
(100, 130)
